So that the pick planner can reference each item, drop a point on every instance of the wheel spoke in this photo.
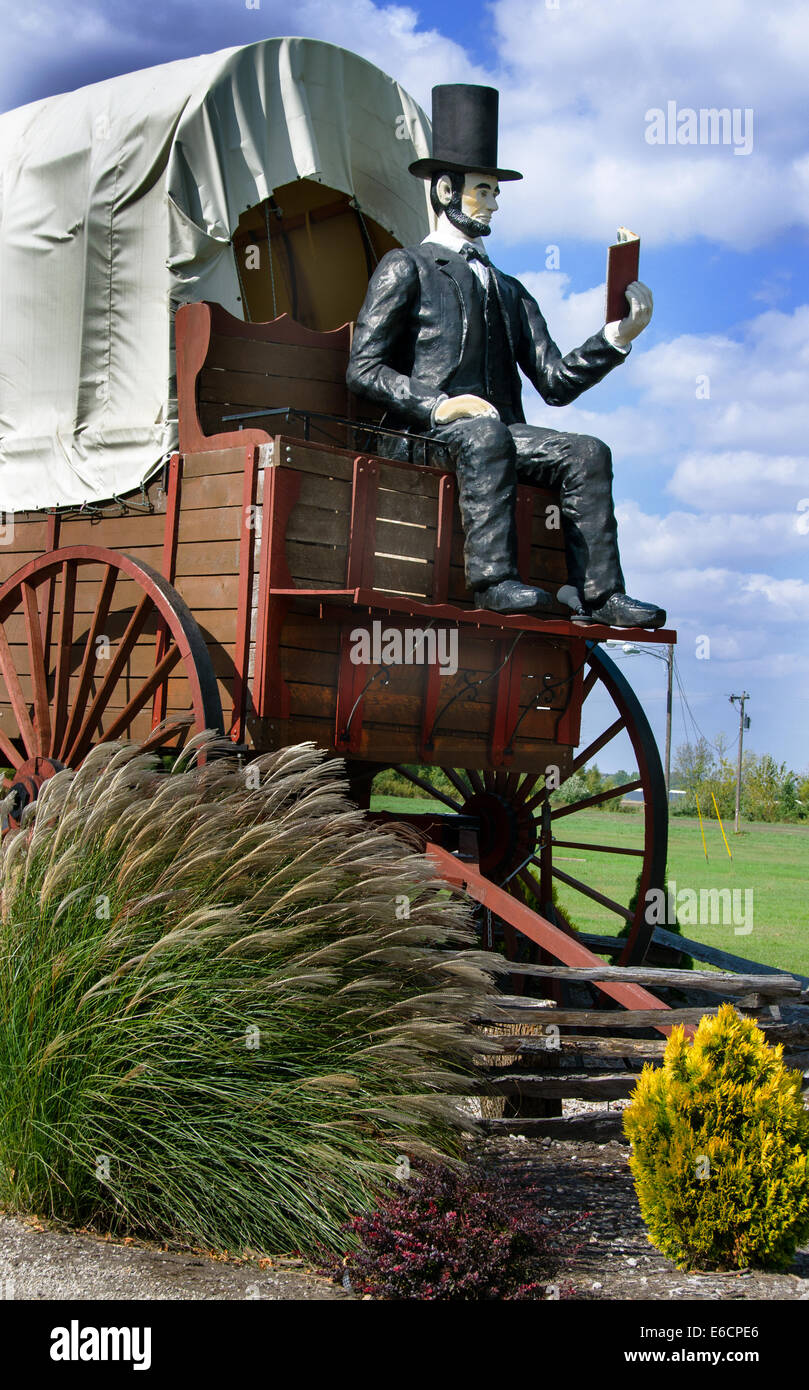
(88, 664)
(526, 786)
(457, 782)
(600, 849)
(511, 784)
(11, 754)
(590, 680)
(597, 744)
(36, 661)
(537, 797)
(18, 701)
(595, 800)
(475, 781)
(61, 690)
(164, 732)
(527, 879)
(46, 620)
(427, 787)
(92, 718)
(145, 692)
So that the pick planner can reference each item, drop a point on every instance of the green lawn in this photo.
(772, 860)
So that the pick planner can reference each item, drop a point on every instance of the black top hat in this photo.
(464, 132)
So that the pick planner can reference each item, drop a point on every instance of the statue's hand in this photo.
(463, 408)
(640, 312)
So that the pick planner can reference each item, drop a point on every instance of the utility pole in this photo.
(744, 723)
(670, 664)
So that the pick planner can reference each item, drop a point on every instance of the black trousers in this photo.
(489, 459)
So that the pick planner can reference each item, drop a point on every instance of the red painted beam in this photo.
(562, 947)
(379, 600)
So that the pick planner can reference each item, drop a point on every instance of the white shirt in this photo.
(454, 240)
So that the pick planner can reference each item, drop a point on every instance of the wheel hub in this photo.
(28, 779)
(508, 833)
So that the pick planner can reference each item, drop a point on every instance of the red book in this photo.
(623, 262)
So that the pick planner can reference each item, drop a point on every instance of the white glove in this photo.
(620, 333)
(463, 408)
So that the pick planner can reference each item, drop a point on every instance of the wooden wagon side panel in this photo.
(343, 522)
(218, 542)
(403, 532)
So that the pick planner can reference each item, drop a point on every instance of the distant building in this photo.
(634, 800)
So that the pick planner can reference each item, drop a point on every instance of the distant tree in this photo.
(703, 772)
(693, 763)
(770, 790)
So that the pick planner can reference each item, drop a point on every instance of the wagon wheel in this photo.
(523, 835)
(94, 646)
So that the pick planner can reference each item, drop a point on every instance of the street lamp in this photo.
(629, 649)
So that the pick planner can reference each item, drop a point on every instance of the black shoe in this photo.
(511, 596)
(622, 611)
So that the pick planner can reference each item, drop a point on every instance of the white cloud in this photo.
(720, 538)
(82, 41)
(715, 482)
(571, 317)
(576, 85)
(580, 80)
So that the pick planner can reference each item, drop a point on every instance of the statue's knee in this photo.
(594, 455)
(489, 436)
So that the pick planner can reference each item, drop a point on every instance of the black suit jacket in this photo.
(411, 331)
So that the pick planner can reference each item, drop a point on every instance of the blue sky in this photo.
(709, 487)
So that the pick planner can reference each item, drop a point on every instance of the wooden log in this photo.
(769, 985)
(616, 1086)
(545, 1050)
(598, 1128)
(713, 956)
(785, 1033)
(543, 1046)
(518, 1012)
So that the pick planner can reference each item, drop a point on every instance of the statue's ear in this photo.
(443, 189)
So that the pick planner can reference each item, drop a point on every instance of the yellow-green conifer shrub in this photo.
(720, 1148)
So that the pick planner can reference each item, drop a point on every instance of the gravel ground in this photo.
(615, 1259)
(37, 1262)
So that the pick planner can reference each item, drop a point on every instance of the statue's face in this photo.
(472, 208)
(479, 198)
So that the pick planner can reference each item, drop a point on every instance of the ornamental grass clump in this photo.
(720, 1149)
(227, 1002)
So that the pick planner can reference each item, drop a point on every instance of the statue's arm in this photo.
(559, 380)
(381, 327)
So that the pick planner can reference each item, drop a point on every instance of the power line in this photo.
(692, 716)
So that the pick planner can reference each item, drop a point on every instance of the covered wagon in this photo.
(203, 529)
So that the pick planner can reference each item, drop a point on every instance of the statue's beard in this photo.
(468, 225)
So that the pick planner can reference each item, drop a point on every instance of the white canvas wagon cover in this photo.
(118, 203)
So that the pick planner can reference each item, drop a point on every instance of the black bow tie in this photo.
(472, 253)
